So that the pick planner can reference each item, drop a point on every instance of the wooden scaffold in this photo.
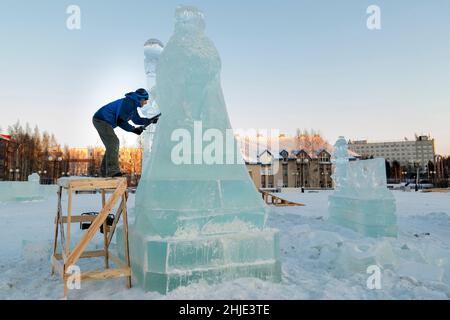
(270, 198)
(67, 257)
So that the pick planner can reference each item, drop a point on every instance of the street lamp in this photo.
(11, 174)
(296, 174)
(433, 176)
(17, 173)
(325, 174)
(405, 173)
(302, 161)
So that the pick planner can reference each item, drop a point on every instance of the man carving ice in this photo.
(117, 114)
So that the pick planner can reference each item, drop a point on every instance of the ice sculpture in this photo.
(22, 190)
(196, 221)
(361, 200)
(152, 51)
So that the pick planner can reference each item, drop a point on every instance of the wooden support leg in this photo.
(66, 289)
(55, 242)
(125, 236)
(58, 215)
(105, 233)
(69, 222)
(105, 246)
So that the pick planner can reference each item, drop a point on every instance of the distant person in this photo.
(117, 114)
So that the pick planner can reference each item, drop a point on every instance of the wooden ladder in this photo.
(62, 261)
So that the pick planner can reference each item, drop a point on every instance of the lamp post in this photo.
(17, 174)
(325, 174)
(11, 174)
(433, 176)
(296, 174)
(56, 167)
(302, 162)
(405, 174)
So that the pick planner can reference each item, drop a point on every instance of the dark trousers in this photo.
(110, 162)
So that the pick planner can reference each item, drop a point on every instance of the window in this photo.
(324, 157)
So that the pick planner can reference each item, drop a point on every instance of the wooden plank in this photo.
(86, 254)
(69, 217)
(66, 289)
(107, 274)
(76, 253)
(125, 235)
(62, 240)
(105, 232)
(78, 219)
(114, 225)
(105, 244)
(93, 184)
(103, 198)
(58, 214)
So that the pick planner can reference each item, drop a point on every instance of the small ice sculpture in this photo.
(361, 200)
(196, 220)
(152, 51)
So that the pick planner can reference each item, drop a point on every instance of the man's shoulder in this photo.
(113, 103)
(129, 103)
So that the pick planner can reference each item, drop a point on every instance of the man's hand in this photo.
(154, 120)
(139, 130)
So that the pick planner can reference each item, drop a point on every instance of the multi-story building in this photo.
(420, 152)
(4, 144)
(7, 158)
(294, 162)
(294, 169)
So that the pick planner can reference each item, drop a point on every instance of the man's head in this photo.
(143, 96)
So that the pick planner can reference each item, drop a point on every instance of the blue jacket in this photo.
(119, 112)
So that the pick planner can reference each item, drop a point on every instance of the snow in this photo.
(319, 260)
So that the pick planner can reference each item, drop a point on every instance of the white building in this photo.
(420, 151)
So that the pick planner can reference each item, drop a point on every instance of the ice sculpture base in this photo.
(369, 217)
(164, 264)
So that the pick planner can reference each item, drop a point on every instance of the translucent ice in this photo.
(152, 51)
(361, 200)
(22, 190)
(196, 221)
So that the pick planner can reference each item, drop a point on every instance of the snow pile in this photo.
(319, 260)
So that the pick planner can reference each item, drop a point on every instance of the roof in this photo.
(254, 149)
(5, 137)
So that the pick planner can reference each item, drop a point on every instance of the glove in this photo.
(139, 130)
(155, 120)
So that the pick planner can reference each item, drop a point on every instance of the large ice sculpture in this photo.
(361, 200)
(196, 221)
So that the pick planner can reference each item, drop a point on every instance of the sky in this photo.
(309, 64)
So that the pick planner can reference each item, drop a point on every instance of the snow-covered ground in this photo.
(319, 260)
